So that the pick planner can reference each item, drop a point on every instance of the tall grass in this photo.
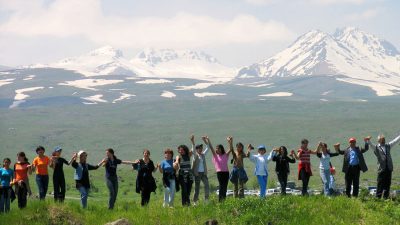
(251, 210)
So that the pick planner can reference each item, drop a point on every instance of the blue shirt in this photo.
(6, 175)
(166, 166)
(353, 157)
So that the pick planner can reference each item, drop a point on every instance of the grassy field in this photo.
(252, 210)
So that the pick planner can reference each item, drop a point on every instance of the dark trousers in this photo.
(42, 182)
(145, 194)
(282, 178)
(352, 177)
(21, 191)
(223, 179)
(186, 188)
(384, 182)
(59, 188)
(112, 185)
(305, 178)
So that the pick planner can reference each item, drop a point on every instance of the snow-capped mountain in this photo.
(359, 57)
(102, 61)
(3, 68)
(168, 63)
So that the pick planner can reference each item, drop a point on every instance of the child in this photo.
(238, 175)
(6, 177)
(261, 170)
(41, 162)
(57, 163)
(22, 169)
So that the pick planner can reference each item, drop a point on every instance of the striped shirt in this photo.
(184, 163)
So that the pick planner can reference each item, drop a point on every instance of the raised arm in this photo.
(366, 145)
(193, 145)
(176, 163)
(230, 143)
(394, 141)
(248, 153)
(207, 141)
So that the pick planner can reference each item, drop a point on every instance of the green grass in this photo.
(251, 210)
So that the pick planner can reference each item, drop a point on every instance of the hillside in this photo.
(252, 210)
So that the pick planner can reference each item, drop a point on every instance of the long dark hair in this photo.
(221, 148)
(284, 150)
(185, 149)
(241, 145)
(111, 151)
(22, 154)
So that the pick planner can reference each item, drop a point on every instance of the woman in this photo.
(325, 165)
(185, 176)
(6, 177)
(81, 175)
(220, 160)
(238, 175)
(22, 169)
(57, 163)
(145, 183)
(280, 156)
(41, 163)
(169, 176)
(304, 168)
(111, 163)
(261, 169)
(199, 167)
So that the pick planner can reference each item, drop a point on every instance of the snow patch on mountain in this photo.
(154, 81)
(277, 94)
(6, 81)
(208, 94)
(95, 99)
(90, 83)
(197, 86)
(124, 96)
(168, 94)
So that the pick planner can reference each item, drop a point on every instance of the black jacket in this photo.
(359, 151)
(282, 163)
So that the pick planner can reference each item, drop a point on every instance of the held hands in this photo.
(368, 138)
(250, 147)
(337, 146)
(292, 152)
(74, 156)
(205, 139)
(229, 139)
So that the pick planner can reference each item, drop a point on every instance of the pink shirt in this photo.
(221, 162)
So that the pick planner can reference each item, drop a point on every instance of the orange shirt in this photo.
(21, 171)
(41, 165)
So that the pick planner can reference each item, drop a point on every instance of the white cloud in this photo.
(367, 14)
(71, 18)
(331, 2)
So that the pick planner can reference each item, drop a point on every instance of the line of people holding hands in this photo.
(189, 166)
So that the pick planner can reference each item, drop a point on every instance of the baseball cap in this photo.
(352, 139)
(261, 147)
(57, 149)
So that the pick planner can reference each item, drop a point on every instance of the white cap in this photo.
(80, 153)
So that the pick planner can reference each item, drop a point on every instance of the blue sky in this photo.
(237, 32)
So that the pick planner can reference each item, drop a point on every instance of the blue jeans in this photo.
(5, 199)
(326, 178)
(262, 181)
(169, 194)
(42, 182)
(84, 196)
(112, 184)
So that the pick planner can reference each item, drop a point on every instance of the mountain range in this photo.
(348, 64)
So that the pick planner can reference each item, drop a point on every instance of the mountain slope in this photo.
(168, 63)
(355, 55)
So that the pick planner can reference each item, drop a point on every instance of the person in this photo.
(22, 169)
(145, 183)
(199, 167)
(81, 175)
(238, 175)
(169, 177)
(261, 169)
(353, 162)
(325, 155)
(185, 173)
(332, 180)
(280, 156)
(110, 163)
(304, 166)
(385, 164)
(220, 160)
(57, 163)
(6, 178)
(41, 163)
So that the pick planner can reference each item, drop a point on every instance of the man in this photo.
(353, 162)
(385, 164)
(199, 168)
